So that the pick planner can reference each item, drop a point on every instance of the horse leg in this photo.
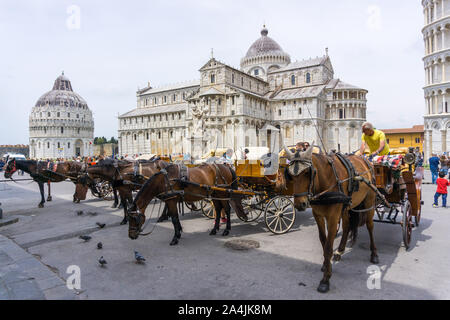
(123, 200)
(173, 212)
(332, 222)
(373, 249)
(164, 216)
(345, 232)
(217, 209)
(41, 189)
(49, 197)
(228, 213)
(116, 198)
(322, 234)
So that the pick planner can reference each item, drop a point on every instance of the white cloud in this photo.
(374, 19)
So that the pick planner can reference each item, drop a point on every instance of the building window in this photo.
(59, 145)
(68, 145)
(293, 80)
(62, 129)
(78, 116)
(159, 135)
(308, 77)
(256, 72)
(48, 145)
(213, 78)
(171, 134)
(417, 140)
(135, 137)
(232, 78)
(219, 102)
(232, 100)
(279, 112)
(341, 114)
(402, 140)
(58, 114)
(173, 116)
(68, 115)
(242, 81)
(165, 99)
(48, 114)
(299, 110)
(174, 97)
(147, 136)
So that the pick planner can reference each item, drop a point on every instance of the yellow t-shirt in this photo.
(374, 141)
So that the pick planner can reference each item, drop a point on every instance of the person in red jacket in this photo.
(442, 185)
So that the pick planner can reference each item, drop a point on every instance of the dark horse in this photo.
(323, 182)
(41, 172)
(177, 184)
(125, 176)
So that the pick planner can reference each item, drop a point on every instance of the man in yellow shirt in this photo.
(374, 139)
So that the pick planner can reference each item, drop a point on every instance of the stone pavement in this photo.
(24, 277)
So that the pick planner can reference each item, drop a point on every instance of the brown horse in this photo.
(44, 172)
(125, 176)
(323, 182)
(177, 184)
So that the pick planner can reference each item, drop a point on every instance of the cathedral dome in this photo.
(263, 54)
(61, 124)
(62, 95)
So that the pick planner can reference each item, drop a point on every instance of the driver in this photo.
(374, 139)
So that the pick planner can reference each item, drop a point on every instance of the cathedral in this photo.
(230, 108)
(61, 124)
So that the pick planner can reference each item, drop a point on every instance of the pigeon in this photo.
(101, 225)
(139, 258)
(102, 261)
(99, 245)
(80, 212)
(85, 238)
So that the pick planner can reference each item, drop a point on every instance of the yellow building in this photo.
(404, 138)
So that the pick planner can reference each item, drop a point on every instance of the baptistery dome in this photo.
(61, 124)
(263, 56)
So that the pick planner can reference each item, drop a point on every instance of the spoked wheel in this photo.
(419, 210)
(407, 223)
(207, 208)
(279, 215)
(252, 207)
(194, 206)
(106, 190)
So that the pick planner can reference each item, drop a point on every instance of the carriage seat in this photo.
(392, 161)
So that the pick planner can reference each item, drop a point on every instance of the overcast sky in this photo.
(112, 47)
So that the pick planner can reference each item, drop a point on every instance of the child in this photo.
(441, 190)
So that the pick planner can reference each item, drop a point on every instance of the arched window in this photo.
(299, 110)
(293, 80)
(308, 77)
(48, 145)
(213, 78)
(58, 114)
(135, 137)
(68, 145)
(48, 114)
(62, 129)
(147, 136)
(59, 145)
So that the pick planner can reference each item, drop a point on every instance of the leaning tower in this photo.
(436, 35)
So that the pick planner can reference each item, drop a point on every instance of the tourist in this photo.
(434, 167)
(374, 139)
(441, 190)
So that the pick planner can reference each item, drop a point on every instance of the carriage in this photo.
(399, 184)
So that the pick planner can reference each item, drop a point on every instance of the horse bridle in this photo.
(13, 169)
(312, 175)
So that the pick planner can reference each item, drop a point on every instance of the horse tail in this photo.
(356, 220)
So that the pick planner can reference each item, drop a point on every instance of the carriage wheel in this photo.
(106, 190)
(195, 206)
(252, 208)
(208, 208)
(406, 223)
(279, 215)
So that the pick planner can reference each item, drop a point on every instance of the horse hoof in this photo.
(374, 259)
(336, 257)
(40, 205)
(78, 201)
(174, 242)
(114, 206)
(124, 221)
(324, 287)
(161, 219)
(49, 199)
(121, 206)
(225, 233)
(213, 232)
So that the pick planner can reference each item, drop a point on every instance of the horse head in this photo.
(301, 171)
(136, 220)
(10, 167)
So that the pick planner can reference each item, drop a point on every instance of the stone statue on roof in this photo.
(199, 113)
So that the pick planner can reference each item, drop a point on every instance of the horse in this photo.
(325, 183)
(125, 176)
(41, 172)
(177, 184)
